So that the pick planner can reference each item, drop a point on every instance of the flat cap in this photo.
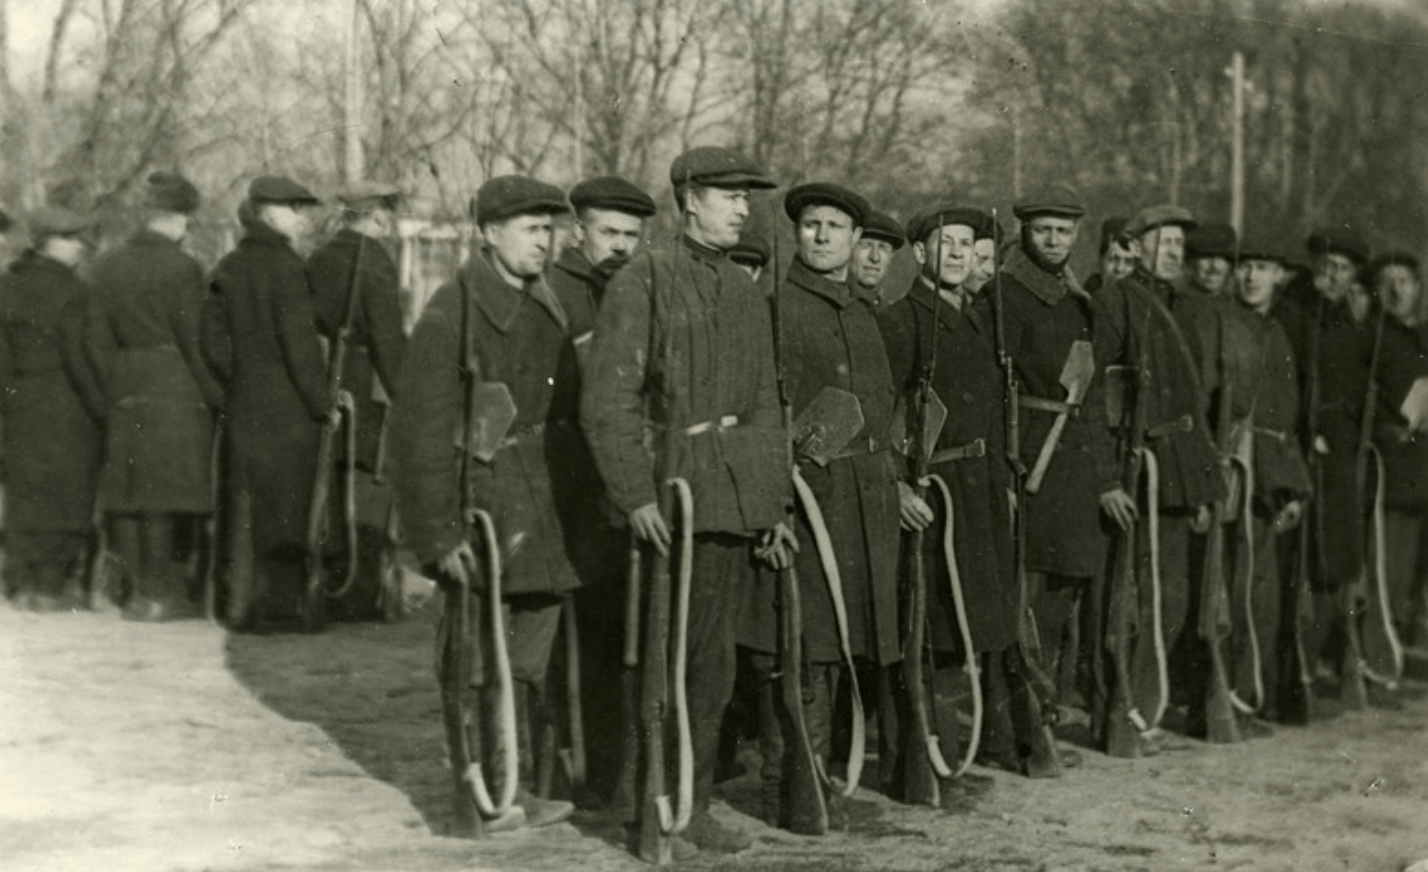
(826, 194)
(884, 228)
(751, 251)
(57, 221)
(171, 192)
(1257, 248)
(508, 196)
(1111, 228)
(1339, 240)
(1392, 258)
(717, 167)
(1213, 239)
(1163, 215)
(1059, 201)
(280, 189)
(613, 193)
(940, 216)
(369, 194)
(992, 229)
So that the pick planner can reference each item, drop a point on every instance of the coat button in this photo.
(967, 397)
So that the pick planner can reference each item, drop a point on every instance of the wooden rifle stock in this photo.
(1219, 714)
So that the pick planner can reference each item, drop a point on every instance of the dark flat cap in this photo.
(1213, 239)
(751, 251)
(369, 194)
(990, 230)
(1163, 215)
(826, 194)
(613, 193)
(508, 196)
(717, 167)
(1111, 228)
(1339, 240)
(57, 221)
(940, 216)
(1392, 258)
(1256, 248)
(1058, 201)
(280, 189)
(171, 192)
(884, 228)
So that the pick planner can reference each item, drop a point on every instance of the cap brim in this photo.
(737, 180)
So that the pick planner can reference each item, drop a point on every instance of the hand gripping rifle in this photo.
(1220, 725)
(322, 474)
(1028, 660)
(481, 433)
(922, 756)
(659, 820)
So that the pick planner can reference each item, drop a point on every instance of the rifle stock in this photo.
(1220, 724)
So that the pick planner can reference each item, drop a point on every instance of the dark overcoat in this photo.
(1260, 365)
(52, 443)
(258, 332)
(1403, 360)
(142, 340)
(680, 382)
(1045, 314)
(967, 378)
(517, 338)
(830, 339)
(375, 342)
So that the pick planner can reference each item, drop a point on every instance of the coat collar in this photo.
(261, 234)
(1048, 287)
(574, 262)
(500, 302)
(149, 237)
(921, 294)
(837, 293)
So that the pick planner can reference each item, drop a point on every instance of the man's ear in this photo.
(919, 251)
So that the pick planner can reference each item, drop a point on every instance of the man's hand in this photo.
(1120, 506)
(777, 546)
(458, 564)
(649, 526)
(1288, 517)
(1201, 522)
(915, 513)
(1321, 446)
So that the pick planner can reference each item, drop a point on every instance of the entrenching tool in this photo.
(1076, 376)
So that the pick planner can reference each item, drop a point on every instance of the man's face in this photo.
(946, 254)
(608, 237)
(1162, 250)
(519, 246)
(1398, 288)
(1118, 261)
(984, 264)
(289, 220)
(1333, 275)
(870, 262)
(1259, 279)
(68, 250)
(1052, 238)
(826, 237)
(715, 216)
(1210, 274)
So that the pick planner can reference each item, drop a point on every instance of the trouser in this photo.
(1406, 564)
(146, 544)
(1054, 598)
(1174, 606)
(1254, 604)
(43, 561)
(778, 732)
(946, 690)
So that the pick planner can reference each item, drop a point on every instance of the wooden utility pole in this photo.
(1237, 146)
(352, 168)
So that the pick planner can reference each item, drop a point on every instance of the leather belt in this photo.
(716, 426)
(1182, 424)
(1055, 406)
(870, 445)
(975, 448)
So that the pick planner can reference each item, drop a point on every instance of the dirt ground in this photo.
(181, 747)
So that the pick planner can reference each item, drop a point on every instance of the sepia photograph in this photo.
(733, 435)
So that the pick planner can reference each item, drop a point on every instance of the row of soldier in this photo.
(1005, 486)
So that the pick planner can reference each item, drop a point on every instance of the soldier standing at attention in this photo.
(610, 216)
(143, 342)
(258, 332)
(1210, 254)
(1142, 330)
(873, 254)
(354, 272)
(52, 441)
(1048, 328)
(683, 350)
(499, 311)
(1116, 255)
(829, 346)
(970, 455)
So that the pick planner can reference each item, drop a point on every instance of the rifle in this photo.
(1220, 725)
(1371, 595)
(808, 808)
(322, 475)
(922, 756)
(1042, 761)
